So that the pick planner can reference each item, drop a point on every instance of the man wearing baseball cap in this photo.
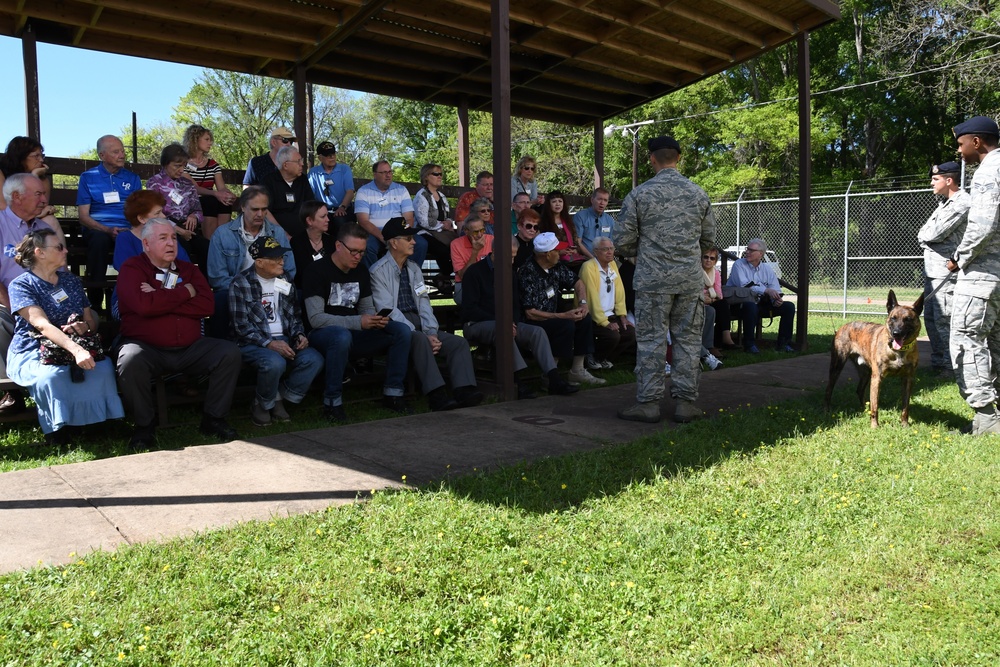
(333, 183)
(976, 312)
(939, 237)
(266, 323)
(265, 164)
(398, 285)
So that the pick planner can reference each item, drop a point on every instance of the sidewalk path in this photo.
(48, 513)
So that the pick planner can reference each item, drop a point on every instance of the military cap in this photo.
(326, 148)
(658, 143)
(396, 227)
(946, 168)
(266, 247)
(976, 125)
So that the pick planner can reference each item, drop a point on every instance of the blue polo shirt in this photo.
(106, 193)
(381, 206)
(589, 227)
(331, 188)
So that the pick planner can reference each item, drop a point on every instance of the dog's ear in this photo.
(918, 305)
(891, 303)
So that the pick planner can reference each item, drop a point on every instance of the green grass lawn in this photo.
(778, 535)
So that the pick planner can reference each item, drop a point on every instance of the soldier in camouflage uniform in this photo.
(939, 237)
(975, 320)
(666, 223)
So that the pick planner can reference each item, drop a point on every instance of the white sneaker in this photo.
(666, 369)
(607, 365)
(592, 364)
(584, 376)
(712, 361)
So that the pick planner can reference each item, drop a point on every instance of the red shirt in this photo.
(163, 317)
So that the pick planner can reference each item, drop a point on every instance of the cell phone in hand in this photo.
(384, 312)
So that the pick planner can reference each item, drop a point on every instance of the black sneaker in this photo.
(439, 400)
(558, 386)
(335, 414)
(469, 396)
(524, 392)
(144, 437)
(396, 404)
(219, 428)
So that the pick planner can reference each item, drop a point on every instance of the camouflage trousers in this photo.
(683, 315)
(937, 319)
(975, 340)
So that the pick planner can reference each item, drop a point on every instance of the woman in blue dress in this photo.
(43, 299)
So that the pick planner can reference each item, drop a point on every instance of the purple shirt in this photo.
(12, 232)
(181, 195)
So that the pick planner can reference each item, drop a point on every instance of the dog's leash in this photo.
(940, 285)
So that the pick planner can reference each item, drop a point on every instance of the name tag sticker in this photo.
(328, 182)
(175, 197)
(59, 295)
(606, 229)
(422, 290)
(112, 197)
(282, 286)
(382, 202)
(289, 197)
(549, 293)
(318, 256)
(169, 280)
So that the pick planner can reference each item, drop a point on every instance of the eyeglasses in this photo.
(383, 172)
(754, 250)
(38, 156)
(607, 281)
(436, 173)
(531, 226)
(354, 253)
(605, 248)
(58, 247)
(711, 257)
(528, 168)
(475, 232)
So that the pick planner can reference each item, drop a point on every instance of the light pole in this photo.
(633, 129)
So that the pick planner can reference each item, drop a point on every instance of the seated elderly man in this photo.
(613, 333)
(228, 252)
(398, 284)
(162, 301)
(376, 202)
(26, 200)
(479, 315)
(541, 281)
(340, 308)
(751, 271)
(100, 201)
(473, 245)
(287, 189)
(267, 325)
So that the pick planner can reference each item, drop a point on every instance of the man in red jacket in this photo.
(162, 301)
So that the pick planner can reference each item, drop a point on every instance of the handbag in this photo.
(735, 295)
(53, 355)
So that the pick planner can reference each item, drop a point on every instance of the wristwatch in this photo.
(583, 302)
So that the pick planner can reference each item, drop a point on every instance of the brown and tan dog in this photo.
(878, 351)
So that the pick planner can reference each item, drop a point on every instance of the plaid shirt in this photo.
(248, 321)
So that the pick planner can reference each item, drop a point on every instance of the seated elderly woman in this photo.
(139, 207)
(53, 311)
(182, 205)
(25, 155)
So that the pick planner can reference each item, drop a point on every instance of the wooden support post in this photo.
(463, 142)
(598, 154)
(32, 112)
(300, 113)
(503, 277)
(805, 191)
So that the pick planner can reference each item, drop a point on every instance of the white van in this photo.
(769, 257)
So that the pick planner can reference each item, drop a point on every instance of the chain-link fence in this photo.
(861, 245)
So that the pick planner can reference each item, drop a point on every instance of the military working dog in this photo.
(878, 351)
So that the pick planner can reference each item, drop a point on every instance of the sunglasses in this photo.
(607, 281)
(436, 173)
(531, 226)
(286, 141)
(528, 168)
(711, 257)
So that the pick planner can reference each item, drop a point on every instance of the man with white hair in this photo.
(287, 189)
(751, 271)
(162, 301)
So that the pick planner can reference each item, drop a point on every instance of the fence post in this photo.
(738, 200)
(847, 210)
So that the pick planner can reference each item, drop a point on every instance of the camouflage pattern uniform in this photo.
(975, 327)
(667, 222)
(939, 237)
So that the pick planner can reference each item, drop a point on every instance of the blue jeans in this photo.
(751, 312)
(271, 367)
(337, 344)
(376, 247)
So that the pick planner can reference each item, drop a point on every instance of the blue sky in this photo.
(85, 94)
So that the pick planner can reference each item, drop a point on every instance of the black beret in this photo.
(658, 143)
(946, 168)
(976, 125)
